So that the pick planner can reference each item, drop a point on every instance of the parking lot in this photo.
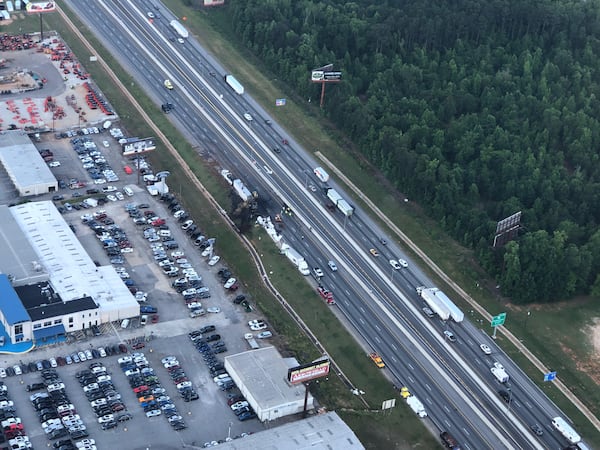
(208, 419)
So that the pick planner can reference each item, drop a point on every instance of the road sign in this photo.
(498, 320)
(549, 376)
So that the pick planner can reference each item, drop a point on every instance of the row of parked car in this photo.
(93, 160)
(12, 428)
(104, 398)
(148, 390)
(57, 413)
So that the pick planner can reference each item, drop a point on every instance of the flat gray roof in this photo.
(23, 162)
(321, 432)
(264, 373)
(19, 259)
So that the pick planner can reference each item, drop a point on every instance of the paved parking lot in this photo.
(209, 418)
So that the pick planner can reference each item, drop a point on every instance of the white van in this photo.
(125, 323)
(128, 191)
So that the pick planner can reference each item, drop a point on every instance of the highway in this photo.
(380, 304)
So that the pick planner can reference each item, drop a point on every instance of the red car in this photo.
(154, 318)
(128, 170)
(284, 142)
(139, 389)
(158, 222)
(138, 346)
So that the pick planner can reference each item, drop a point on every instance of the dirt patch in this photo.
(591, 365)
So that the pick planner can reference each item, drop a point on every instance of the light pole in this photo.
(527, 318)
(229, 432)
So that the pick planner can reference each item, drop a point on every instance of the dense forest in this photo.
(477, 109)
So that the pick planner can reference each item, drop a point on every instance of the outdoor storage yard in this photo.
(43, 87)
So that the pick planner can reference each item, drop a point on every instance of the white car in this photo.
(106, 144)
(248, 117)
(171, 363)
(180, 40)
(119, 195)
(268, 170)
(258, 327)
(264, 335)
(318, 272)
(54, 164)
(167, 359)
(395, 264)
(207, 251)
(255, 322)
(214, 260)
(229, 283)
(177, 254)
(99, 402)
(194, 305)
(84, 443)
(187, 224)
(2, 372)
(107, 189)
(153, 412)
(100, 181)
(106, 418)
(213, 309)
(403, 263)
(179, 213)
(53, 362)
(485, 349)
(102, 352)
(239, 405)
(111, 197)
(185, 384)
(150, 15)
(332, 266)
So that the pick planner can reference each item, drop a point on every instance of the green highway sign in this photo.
(498, 320)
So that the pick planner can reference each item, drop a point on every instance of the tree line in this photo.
(477, 109)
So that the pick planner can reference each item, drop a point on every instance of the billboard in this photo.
(319, 76)
(40, 7)
(307, 372)
(213, 2)
(135, 146)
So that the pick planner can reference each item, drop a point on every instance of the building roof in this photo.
(321, 432)
(72, 273)
(23, 161)
(264, 373)
(10, 304)
(41, 301)
(19, 259)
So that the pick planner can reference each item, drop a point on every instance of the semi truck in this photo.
(338, 201)
(242, 190)
(434, 303)
(566, 430)
(297, 259)
(234, 84)
(416, 405)
(321, 174)
(499, 372)
(181, 31)
(440, 304)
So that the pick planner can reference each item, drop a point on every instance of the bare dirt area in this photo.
(592, 365)
(44, 88)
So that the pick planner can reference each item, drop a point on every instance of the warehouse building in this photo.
(261, 376)
(25, 166)
(49, 286)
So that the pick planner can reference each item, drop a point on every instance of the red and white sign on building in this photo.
(307, 372)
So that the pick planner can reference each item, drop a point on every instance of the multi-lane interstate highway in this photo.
(380, 304)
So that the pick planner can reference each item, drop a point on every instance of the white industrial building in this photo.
(25, 166)
(58, 286)
(261, 376)
(320, 432)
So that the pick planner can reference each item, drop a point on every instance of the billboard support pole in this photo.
(304, 411)
(41, 29)
(322, 94)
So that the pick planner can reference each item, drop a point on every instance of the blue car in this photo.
(148, 309)
(246, 416)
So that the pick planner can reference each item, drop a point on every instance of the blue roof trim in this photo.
(11, 304)
(48, 332)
